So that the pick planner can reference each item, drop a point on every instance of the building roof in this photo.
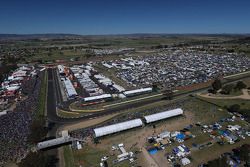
(142, 90)
(118, 88)
(163, 115)
(53, 142)
(13, 88)
(60, 68)
(69, 88)
(185, 161)
(106, 130)
(104, 96)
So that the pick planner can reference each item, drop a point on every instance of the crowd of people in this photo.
(15, 125)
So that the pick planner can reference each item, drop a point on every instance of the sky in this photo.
(95, 17)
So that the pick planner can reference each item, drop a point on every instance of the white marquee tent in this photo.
(106, 130)
(99, 97)
(163, 115)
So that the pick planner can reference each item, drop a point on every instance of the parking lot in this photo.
(176, 67)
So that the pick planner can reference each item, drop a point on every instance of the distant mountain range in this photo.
(36, 36)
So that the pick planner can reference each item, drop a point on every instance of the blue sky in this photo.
(124, 16)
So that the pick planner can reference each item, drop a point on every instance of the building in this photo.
(163, 115)
(70, 90)
(53, 142)
(106, 130)
(97, 98)
(185, 161)
(135, 92)
(61, 70)
(118, 88)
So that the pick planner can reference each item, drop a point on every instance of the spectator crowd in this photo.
(15, 125)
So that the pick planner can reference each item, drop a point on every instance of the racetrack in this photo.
(54, 99)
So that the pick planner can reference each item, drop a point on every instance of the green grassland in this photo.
(42, 97)
(68, 156)
(73, 47)
(244, 104)
(56, 55)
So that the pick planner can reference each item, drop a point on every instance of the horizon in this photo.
(171, 34)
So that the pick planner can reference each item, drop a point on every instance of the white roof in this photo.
(99, 76)
(19, 73)
(185, 161)
(60, 68)
(24, 68)
(163, 115)
(3, 113)
(12, 88)
(53, 142)
(104, 96)
(69, 88)
(17, 78)
(117, 127)
(142, 90)
(105, 80)
(10, 77)
(43, 69)
(107, 65)
(119, 88)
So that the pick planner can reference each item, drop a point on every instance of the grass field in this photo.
(66, 114)
(72, 47)
(68, 156)
(42, 97)
(89, 156)
(244, 104)
(56, 55)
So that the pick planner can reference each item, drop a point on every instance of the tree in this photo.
(38, 159)
(234, 108)
(155, 87)
(96, 141)
(240, 85)
(211, 91)
(220, 162)
(217, 84)
(168, 94)
(227, 89)
(38, 131)
(49, 54)
(244, 152)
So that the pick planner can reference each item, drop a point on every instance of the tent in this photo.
(180, 136)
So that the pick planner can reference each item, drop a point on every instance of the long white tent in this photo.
(163, 115)
(100, 97)
(106, 130)
(53, 142)
(70, 90)
(137, 91)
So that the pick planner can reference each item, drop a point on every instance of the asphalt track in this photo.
(54, 98)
